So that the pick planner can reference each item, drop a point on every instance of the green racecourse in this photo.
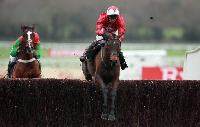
(4, 52)
(60, 62)
(46, 60)
(175, 52)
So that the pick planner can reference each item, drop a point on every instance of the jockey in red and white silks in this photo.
(110, 22)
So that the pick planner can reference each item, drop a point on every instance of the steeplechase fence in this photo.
(74, 103)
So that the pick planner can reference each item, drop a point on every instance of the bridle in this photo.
(106, 46)
(27, 49)
(29, 38)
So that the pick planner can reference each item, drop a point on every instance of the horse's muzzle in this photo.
(113, 62)
(29, 49)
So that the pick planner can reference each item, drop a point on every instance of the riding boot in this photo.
(10, 67)
(122, 61)
(87, 51)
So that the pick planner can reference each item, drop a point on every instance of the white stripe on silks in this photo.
(26, 61)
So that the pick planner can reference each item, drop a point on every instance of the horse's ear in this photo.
(22, 27)
(33, 27)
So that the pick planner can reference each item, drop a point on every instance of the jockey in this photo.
(110, 22)
(13, 53)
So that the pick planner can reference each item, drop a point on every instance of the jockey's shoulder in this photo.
(103, 17)
(120, 17)
(37, 40)
(104, 14)
(36, 34)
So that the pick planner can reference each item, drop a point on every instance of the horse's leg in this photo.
(37, 70)
(113, 95)
(15, 72)
(105, 103)
(105, 96)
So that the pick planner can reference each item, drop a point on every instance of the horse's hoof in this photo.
(104, 116)
(111, 117)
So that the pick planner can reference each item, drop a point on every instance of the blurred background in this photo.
(158, 33)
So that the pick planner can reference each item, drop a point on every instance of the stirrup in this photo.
(7, 76)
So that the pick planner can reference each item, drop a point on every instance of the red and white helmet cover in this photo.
(112, 10)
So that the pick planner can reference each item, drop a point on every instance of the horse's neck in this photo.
(25, 56)
(105, 55)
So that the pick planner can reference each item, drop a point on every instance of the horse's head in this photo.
(113, 46)
(28, 38)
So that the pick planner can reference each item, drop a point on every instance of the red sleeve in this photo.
(37, 40)
(121, 27)
(20, 38)
(100, 23)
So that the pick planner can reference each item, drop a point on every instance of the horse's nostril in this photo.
(113, 61)
(29, 49)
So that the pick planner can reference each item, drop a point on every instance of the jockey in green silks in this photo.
(13, 53)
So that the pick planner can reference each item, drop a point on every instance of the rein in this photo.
(103, 60)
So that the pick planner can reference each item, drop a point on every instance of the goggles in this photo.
(113, 16)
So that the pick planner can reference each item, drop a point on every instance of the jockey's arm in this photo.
(99, 29)
(99, 25)
(37, 51)
(121, 28)
(37, 47)
(15, 48)
(122, 37)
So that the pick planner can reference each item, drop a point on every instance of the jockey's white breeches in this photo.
(12, 59)
(100, 37)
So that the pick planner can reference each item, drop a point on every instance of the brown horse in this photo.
(27, 66)
(105, 71)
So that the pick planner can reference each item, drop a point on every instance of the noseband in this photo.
(29, 37)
